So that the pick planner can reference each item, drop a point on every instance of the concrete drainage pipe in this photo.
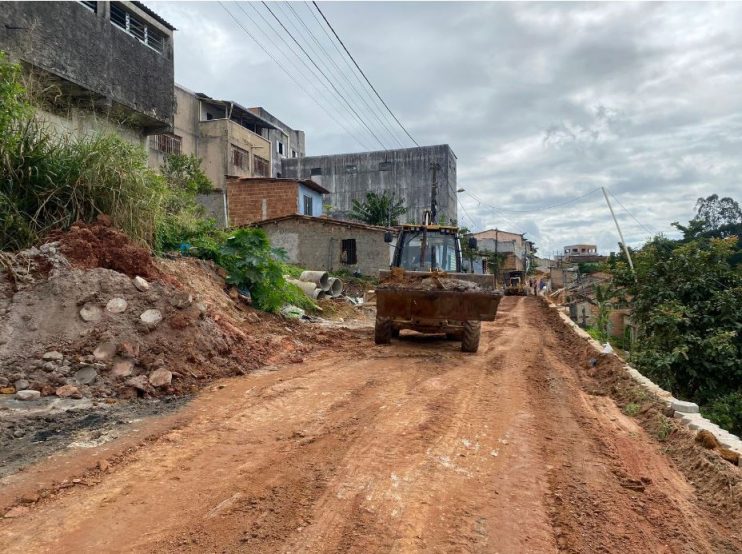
(319, 278)
(336, 287)
(308, 288)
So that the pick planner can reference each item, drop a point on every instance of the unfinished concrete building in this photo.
(409, 174)
(108, 66)
(285, 141)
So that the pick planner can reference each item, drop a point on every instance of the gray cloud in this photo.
(541, 102)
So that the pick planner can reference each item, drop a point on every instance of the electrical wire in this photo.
(364, 75)
(339, 72)
(363, 88)
(332, 85)
(647, 229)
(556, 205)
(283, 68)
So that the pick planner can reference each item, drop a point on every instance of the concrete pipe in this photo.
(319, 278)
(310, 289)
(336, 287)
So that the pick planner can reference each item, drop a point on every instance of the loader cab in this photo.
(428, 248)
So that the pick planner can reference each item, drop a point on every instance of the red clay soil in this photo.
(98, 244)
(411, 447)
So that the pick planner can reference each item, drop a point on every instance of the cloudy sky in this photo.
(541, 102)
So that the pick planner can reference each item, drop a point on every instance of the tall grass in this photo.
(50, 180)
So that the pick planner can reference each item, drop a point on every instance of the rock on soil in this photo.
(104, 351)
(141, 284)
(160, 378)
(122, 368)
(91, 313)
(28, 395)
(140, 382)
(151, 318)
(86, 376)
(116, 305)
(68, 391)
(53, 355)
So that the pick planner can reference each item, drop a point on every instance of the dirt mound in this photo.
(97, 333)
(88, 246)
(400, 279)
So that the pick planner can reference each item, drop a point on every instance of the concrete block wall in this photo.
(317, 244)
(257, 200)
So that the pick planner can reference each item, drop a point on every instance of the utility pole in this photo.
(618, 228)
(497, 258)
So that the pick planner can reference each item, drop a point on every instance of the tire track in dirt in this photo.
(414, 447)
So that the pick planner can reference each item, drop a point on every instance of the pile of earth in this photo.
(94, 315)
(400, 279)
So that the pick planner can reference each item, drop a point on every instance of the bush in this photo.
(252, 264)
(726, 411)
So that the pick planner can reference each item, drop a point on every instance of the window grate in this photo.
(262, 167)
(348, 254)
(136, 27)
(240, 158)
(169, 144)
(307, 205)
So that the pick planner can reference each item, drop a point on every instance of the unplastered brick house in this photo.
(250, 200)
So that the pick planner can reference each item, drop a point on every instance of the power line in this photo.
(339, 72)
(289, 74)
(314, 78)
(364, 89)
(364, 75)
(323, 74)
(647, 229)
(556, 205)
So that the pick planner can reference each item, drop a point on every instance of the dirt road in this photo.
(413, 447)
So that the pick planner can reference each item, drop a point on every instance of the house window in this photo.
(315, 171)
(293, 153)
(93, 6)
(353, 168)
(348, 252)
(279, 146)
(307, 205)
(136, 27)
(169, 144)
(240, 158)
(261, 167)
(385, 166)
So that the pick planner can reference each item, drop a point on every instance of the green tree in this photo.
(686, 299)
(379, 209)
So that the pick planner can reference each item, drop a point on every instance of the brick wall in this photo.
(245, 200)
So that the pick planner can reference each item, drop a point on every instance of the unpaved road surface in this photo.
(413, 447)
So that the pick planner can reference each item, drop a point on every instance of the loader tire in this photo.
(470, 338)
(383, 330)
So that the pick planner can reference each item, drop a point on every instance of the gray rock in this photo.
(53, 355)
(104, 351)
(28, 395)
(202, 307)
(141, 283)
(86, 376)
(684, 407)
(160, 378)
(91, 313)
(49, 366)
(21, 384)
(116, 305)
(151, 318)
(18, 433)
(181, 300)
(4, 381)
